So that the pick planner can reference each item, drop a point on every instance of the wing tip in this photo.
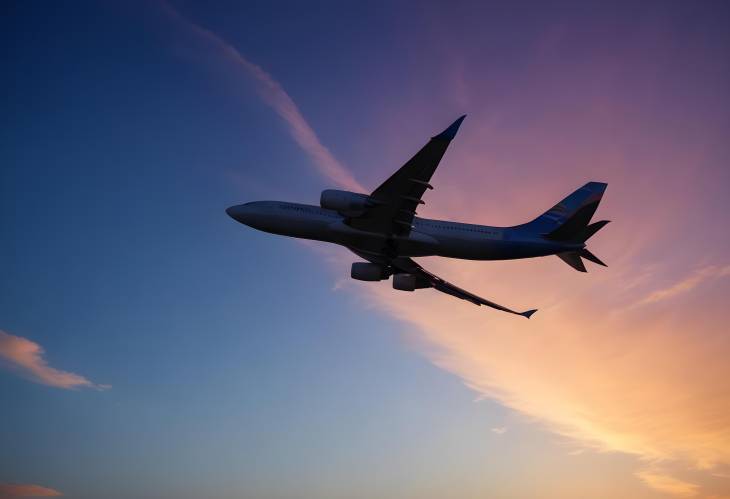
(450, 132)
(529, 313)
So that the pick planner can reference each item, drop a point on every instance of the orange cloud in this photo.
(11, 490)
(26, 357)
(687, 284)
(667, 484)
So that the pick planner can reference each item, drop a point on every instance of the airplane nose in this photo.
(240, 213)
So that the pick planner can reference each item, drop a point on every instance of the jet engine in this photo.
(409, 282)
(363, 271)
(344, 202)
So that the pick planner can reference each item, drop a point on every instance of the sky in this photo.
(151, 347)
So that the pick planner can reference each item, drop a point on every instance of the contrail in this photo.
(276, 97)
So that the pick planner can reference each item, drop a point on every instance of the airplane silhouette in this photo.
(383, 229)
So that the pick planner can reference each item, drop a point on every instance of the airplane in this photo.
(382, 228)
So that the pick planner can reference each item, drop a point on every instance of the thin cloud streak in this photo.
(667, 484)
(279, 100)
(25, 357)
(687, 284)
(11, 490)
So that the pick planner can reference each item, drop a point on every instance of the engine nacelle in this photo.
(363, 271)
(345, 202)
(409, 282)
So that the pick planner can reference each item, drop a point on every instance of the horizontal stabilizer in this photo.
(591, 257)
(572, 258)
(588, 232)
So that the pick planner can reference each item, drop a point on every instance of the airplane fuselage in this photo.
(427, 237)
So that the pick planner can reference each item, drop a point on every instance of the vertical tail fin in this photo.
(571, 215)
(569, 221)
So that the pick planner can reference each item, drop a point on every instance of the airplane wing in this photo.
(411, 267)
(396, 200)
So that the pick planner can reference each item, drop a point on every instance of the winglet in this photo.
(450, 132)
(529, 313)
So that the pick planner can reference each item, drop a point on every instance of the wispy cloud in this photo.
(278, 99)
(501, 430)
(667, 484)
(687, 284)
(11, 490)
(26, 358)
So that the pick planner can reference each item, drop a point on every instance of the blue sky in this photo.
(240, 364)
